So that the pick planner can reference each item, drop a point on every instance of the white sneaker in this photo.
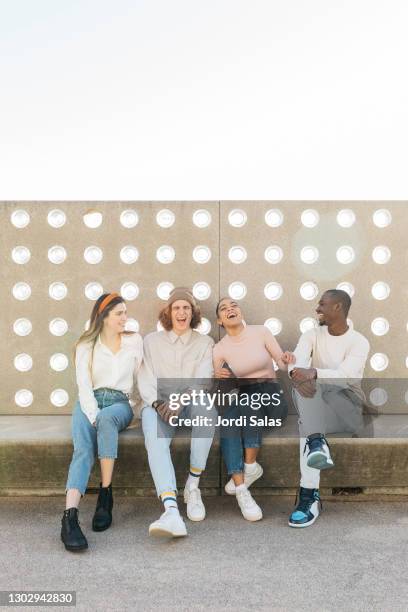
(195, 506)
(248, 479)
(249, 508)
(169, 525)
(319, 453)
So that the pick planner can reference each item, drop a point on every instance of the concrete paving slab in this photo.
(353, 558)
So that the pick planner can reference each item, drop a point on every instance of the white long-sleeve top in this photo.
(167, 355)
(114, 371)
(339, 358)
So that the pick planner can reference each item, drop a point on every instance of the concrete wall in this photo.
(255, 235)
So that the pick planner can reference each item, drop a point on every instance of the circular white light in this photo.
(273, 254)
(380, 326)
(57, 291)
(57, 254)
(237, 254)
(237, 290)
(23, 398)
(201, 291)
(21, 255)
(201, 254)
(309, 254)
(58, 327)
(59, 398)
(56, 218)
(23, 362)
(129, 218)
(205, 326)
(274, 325)
(310, 217)
(379, 362)
(93, 291)
(381, 254)
(273, 291)
(306, 324)
(202, 218)
(129, 254)
(165, 254)
(347, 287)
(382, 217)
(274, 217)
(378, 396)
(21, 291)
(345, 254)
(93, 219)
(163, 290)
(20, 218)
(129, 291)
(22, 327)
(59, 362)
(380, 290)
(165, 218)
(237, 217)
(346, 217)
(159, 326)
(309, 291)
(132, 325)
(93, 255)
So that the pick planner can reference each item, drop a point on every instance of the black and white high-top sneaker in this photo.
(318, 456)
(307, 508)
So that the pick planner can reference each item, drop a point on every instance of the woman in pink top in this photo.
(247, 352)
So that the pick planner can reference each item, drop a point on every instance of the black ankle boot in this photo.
(71, 533)
(103, 514)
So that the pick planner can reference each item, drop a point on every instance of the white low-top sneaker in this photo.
(195, 506)
(249, 508)
(169, 525)
(248, 480)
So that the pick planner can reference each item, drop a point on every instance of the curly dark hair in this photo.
(165, 317)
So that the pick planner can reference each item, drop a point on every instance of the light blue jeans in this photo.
(158, 436)
(102, 439)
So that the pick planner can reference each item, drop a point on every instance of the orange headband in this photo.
(107, 301)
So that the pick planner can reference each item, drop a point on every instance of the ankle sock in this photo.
(193, 479)
(250, 468)
(169, 500)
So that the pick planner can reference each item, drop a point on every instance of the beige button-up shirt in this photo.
(167, 355)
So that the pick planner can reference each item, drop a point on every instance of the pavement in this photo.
(353, 558)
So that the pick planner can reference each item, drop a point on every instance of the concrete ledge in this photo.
(35, 452)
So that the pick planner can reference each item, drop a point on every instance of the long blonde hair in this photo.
(96, 324)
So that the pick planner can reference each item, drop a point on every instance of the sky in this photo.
(203, 99)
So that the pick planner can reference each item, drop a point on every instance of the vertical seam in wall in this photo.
(219, 257)
(219, 334)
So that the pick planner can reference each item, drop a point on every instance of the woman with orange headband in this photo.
(107, 359)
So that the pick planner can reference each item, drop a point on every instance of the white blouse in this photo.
(114, 371)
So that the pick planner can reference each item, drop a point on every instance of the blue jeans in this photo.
(102, 439)
(234, 438)
(158, 436)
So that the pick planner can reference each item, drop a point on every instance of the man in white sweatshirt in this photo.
(330, 362)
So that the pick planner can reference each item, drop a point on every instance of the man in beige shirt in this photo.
(177, 352)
